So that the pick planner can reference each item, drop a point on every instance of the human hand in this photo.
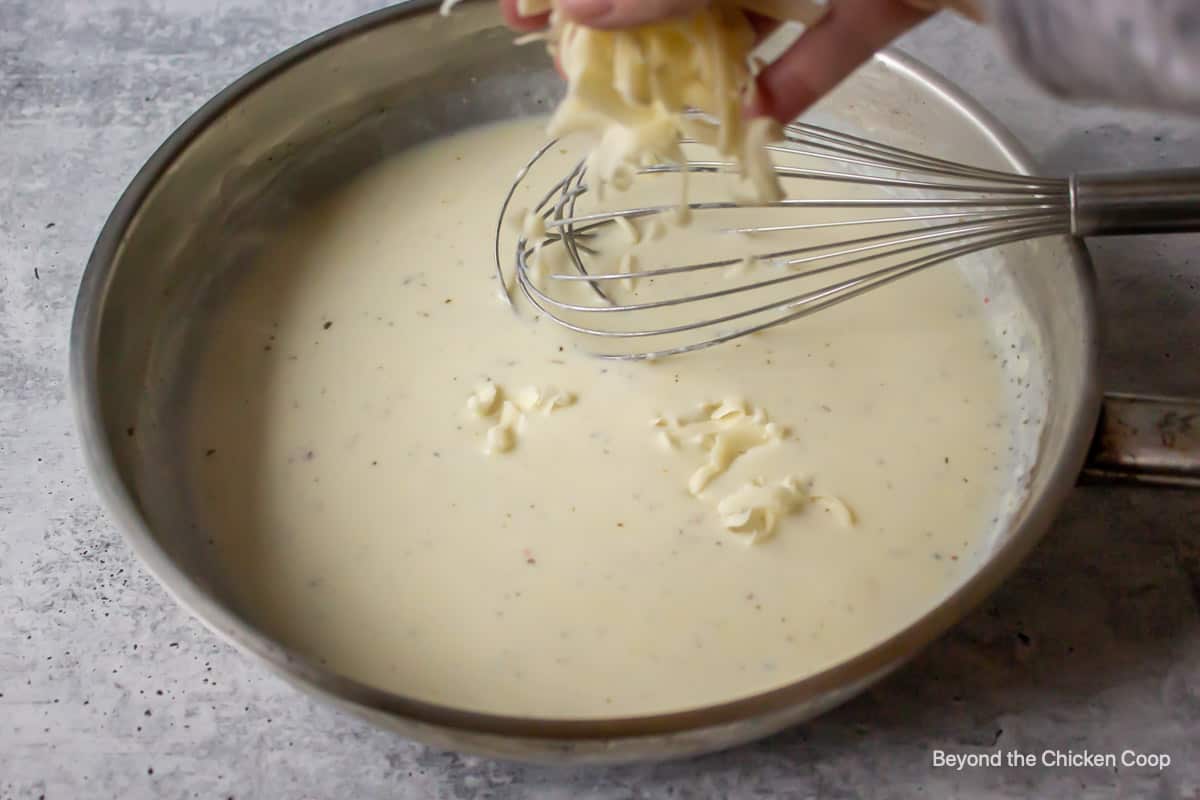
(841, 41)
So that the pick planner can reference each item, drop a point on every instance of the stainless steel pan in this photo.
(310, 118)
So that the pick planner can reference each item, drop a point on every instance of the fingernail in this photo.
(587, 10)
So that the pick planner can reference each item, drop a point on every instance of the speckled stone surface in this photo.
(107, 689)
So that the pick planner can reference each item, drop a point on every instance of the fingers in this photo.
(763, 26)
(515, 21)
(626, 13)
(827, 53)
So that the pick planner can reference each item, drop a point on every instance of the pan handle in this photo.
(1147, 440)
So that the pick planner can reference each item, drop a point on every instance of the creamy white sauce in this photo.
(354, 506)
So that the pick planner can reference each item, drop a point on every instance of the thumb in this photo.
(828, 52)
(626, 13)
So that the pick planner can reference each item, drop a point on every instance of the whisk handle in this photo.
(1122, 203)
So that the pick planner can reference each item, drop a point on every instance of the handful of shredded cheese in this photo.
(632, 88)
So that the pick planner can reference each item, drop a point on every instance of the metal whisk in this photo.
(935, 210)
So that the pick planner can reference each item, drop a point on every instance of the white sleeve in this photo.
(1141, 53)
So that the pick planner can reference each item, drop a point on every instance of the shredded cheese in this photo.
(505, 415)
(756, 508)
(725, 432)
(544, 399)
(632, 88)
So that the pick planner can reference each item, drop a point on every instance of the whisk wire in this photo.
(804, 304)
(956, 210)
(917, 243)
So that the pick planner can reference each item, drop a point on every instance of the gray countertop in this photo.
(107, 689)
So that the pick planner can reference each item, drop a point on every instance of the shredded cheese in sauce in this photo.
(723, 431)
(505, 415)
(726, 432)
(544, 399)
(756, 508)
